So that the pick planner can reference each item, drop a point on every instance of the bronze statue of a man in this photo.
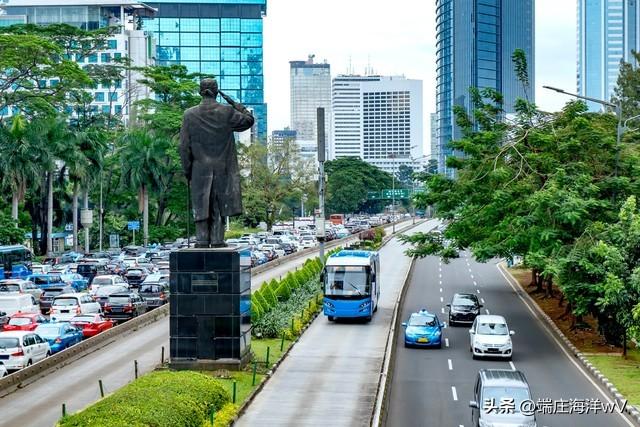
(210, 161)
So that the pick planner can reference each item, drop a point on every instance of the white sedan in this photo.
(489, 336)
(19, 349)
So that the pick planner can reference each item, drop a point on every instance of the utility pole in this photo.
(393, 195)
(320, 234)
(101, 215)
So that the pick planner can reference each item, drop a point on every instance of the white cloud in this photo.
(395, 38)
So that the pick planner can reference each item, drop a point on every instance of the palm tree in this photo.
(143, 160)
(20, 162)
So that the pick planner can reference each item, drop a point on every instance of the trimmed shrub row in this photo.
(161, 398)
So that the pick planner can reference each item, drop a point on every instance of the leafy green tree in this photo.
(9, 233)
(348, 181)
(404, 176)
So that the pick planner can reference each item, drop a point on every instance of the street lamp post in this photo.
(618, 110)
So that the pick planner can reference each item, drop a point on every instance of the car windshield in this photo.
(19, 321)
(496, 395)
(422, 320)
(52, 292)
(119, 300)
(82, 319)
(100, 281)
(134, 272)
(464, 300)
(48, 331)
(346, 280)
(492, 329)
(41, 280)
(7, 342)
(86, 268)
(9, 288)
(65, 301)
(150, 289)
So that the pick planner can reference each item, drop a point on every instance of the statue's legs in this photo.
(202, 234)
(216, 234)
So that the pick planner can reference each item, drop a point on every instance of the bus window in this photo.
(346, 281)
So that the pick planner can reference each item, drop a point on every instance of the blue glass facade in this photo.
(607, 33)
(219, 37)
(474, 43)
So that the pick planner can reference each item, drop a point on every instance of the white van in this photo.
(66, 306)
(19, 349)
(14, 303)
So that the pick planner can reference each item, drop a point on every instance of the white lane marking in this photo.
(513, 367)
(487, 310)
(454, 392)
(441, 299)
(478, 290)
(446, 342)
(440, 275)
(440, 282)
(440, 289)
(442, 309)
(450, 364)
(564, 351)
(475, 283)
(469, 270)
(482, 300)
(472, 276)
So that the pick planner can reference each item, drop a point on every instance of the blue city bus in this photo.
(351, 281)
(15, 262)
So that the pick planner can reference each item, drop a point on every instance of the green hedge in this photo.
(159, 399)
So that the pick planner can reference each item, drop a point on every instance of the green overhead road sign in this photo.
(389, 194)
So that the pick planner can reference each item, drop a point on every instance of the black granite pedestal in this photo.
(210, 313)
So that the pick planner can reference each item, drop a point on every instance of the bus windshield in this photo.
(346, 281)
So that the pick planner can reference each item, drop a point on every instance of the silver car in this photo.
(498, 399)
(22, 287)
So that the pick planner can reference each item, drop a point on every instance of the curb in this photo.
(632, 412)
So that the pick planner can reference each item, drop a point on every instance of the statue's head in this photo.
(208, 88)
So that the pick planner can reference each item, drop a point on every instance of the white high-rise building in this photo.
(378, 119)
(115, 97)
(310, 90)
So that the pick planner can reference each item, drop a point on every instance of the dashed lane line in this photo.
(441, 299)
(450, 364)
(454, 392)
(482, 300)
(446, 342)
(513, 367)
(487, 310)
(478, 290)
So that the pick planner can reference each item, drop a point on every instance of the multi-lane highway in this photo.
(432, 387)
(331, 375)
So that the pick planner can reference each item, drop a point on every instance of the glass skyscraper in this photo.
(607, 33)
(474, 43)
(219, 37)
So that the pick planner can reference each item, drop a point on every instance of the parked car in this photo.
(155, 294)
(70, 257)
(136, 275)
(106, 280)
(308, 241)
(21, 286)
(102, 295)
(125, 306)
(60, 335)
(24, 322)
(50, 293)
(19, 349)
(44, 281)
(11, 304)
(116, 267)
(66, 306)
(76, 280)
(91, 324)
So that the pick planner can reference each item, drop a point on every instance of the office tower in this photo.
(116, 97)
(607, 33)
(474, 43)
(218, 37)
(310, 90)
(279, 137)
(433, 121)
(378, 119)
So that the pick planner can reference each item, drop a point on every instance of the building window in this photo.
(118, 109)
(210, 39)
(189, 39)
(230, 39)
(230, 24)
(113, 96)
(93, 58)
(190, 25)
(169, 39)
(99, 96)
(209, 25)
(105, 58)
(112, 44)
(106, 109)
(117, 55)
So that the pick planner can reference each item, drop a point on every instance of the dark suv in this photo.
(463, 308)
(90, 270)
(50, 293)
(136, 275)
(155, 294)
(124, 306)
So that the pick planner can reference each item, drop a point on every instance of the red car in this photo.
(91, 324)
(24, 322)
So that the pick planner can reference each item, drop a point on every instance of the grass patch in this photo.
(259, 348)
(244, 384)
(623, 373)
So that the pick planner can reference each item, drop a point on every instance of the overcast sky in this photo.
(395, 38)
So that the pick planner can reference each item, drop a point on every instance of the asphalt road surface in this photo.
(331, 375)
(432, 387)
